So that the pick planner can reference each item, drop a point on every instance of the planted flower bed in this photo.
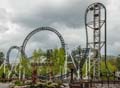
(28, 84)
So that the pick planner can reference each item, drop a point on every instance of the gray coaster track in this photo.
(95, 25)
(9, 51)
(39, 30)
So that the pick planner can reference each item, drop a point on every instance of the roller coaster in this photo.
(95, 23)
(21, 49)
(91, 55)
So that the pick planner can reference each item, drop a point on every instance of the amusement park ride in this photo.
(96, 48)
(95, 20)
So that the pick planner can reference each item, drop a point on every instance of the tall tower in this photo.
(95, 23)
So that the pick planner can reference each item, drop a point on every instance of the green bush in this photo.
(18, 83)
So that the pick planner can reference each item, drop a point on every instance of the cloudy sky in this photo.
(19, 17)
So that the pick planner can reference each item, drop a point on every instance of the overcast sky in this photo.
(19, 17)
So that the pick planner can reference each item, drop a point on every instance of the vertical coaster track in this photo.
(95, 20)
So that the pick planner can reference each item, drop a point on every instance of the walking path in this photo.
(4, 85)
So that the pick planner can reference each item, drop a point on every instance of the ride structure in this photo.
(44, 29)
(38, 30)
(90, 56)
(9, 51)
(21, 49)
(95, 21)
(13, 65)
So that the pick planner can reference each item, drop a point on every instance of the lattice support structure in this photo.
(95, 20)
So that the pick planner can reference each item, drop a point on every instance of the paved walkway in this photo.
(4, 85)
(108, 86)
(66, 85)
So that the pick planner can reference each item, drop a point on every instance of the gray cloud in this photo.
(3, 29)
(71, 15)
(3, 20)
